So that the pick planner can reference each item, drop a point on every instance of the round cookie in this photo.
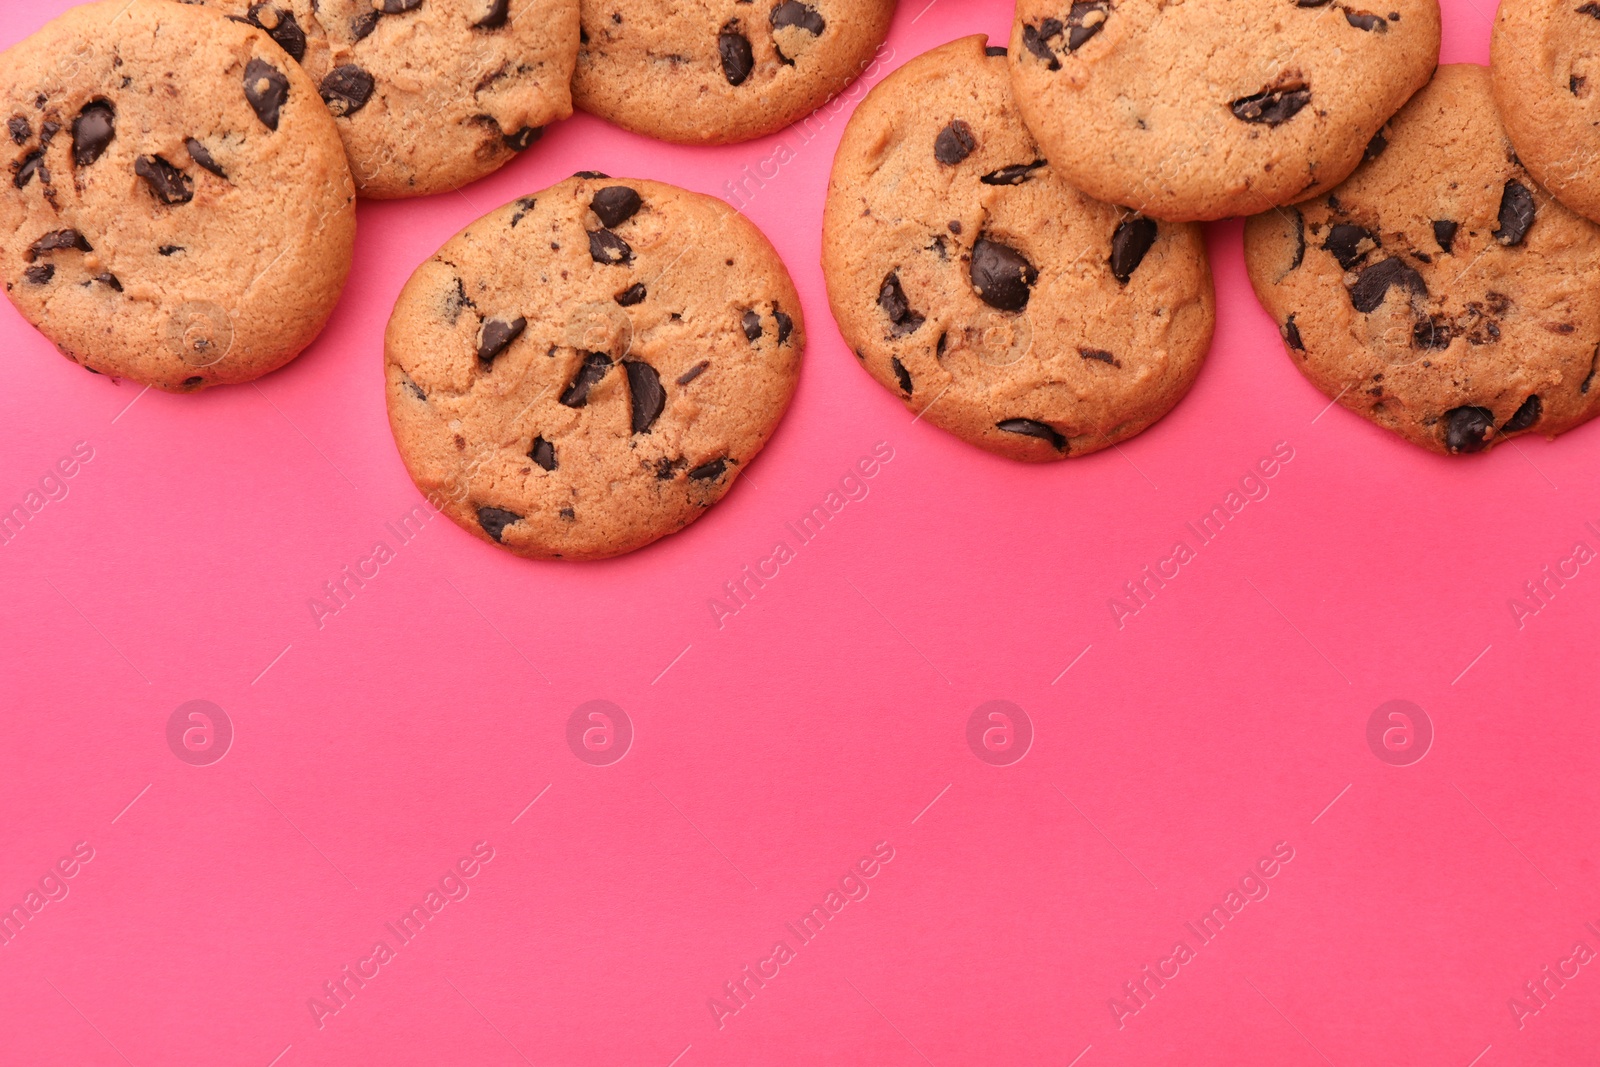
(588, 369)
(428, 94)
(1545, 62)
(999, 303)
(1212, 108)
(720, 71)
(180, 211)
(1440, 292)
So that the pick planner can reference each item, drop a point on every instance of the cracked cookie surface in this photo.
(1210, 108)
(974, 284)
(1545, 64)
(1440, 292)
(179, 210)
(590, 368)
(721, 71)
(428, 95)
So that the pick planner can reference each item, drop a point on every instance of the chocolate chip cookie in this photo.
(1440, 292)
(428, 94)
(1209, 108)
(719, 71)
(983, 291)
(589, 368)
(1546, 71)
(179, 209)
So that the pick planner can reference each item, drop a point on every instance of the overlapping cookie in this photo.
(179, 209)
(1210, 108)
(1440, 292)
(590, 368)
(989, 296)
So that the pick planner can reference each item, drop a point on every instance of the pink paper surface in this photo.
(1164, 762)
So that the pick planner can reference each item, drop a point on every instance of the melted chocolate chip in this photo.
(1432, 333)
(1099, 355)
(1375, 147)
(41, 274)
(752, 326)
(1525, 416)
(1516, 214)
(994, 50)
(892, 299)
(1133, 237)
(606, 247)
(524, 206)
(693, 372)
(793, 13)
(902, 375)
(495, 520)
(399, 7)
(1036, 39)
(283, 29)
(346, 90)
(615, 205)
(954, 143)
(1034, 428)
(708, 472)
(1374, 282)
(785, 325)
(202, 157)
(1299, 239)
(499, 14)
(1444, 232)
(1272, 107)
(1363, 20)
(110, 279)
(595, 367)
(1002, 276)
(1015, 174)
(633, 294)
(1468, 429)
(266, 87)
(524, 139)
(646, 397)
(413, 388)
(21, 129)
(92, 132)
(33, 163)
(1291, 335)
(1087, 18)
(363, 24)
(738, 60)
(592, 175)
(1350, 244)
(169, 184)
(543, 453)
(497, 335)
(170, 250)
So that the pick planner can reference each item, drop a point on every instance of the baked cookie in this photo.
(1210, 108)
(1440, 292)
(428, 94)
(589, 368)
(991, 297)
(720, 71)
(179, 211)
(1545, 62)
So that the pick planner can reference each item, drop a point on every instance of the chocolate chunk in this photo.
(1432, 333)
(1444, 232)
(954, 143)
(1375, 147)
(665, 468)
(57, 241)
(615, 204)
(1015, 174)
(543, 453)
(413, 388)
(595, 367)
(1363, 20)
(1516, 214)
(707, 472)
(1592, 10)
(892, 299)
(110, 279)
(1133, 237)
(169, 184)
(195, 382)
(495, 520)
(902, 375)
(399, 7)
(752, 326)
(994, 50)
(592, 175)
(21, 129)
(606, 247)
(346, 90)
(1291, 334)
(1350, 244)
(1002, 276)
(267, 89)
(202, 157)
(1575, 84)
(524, 139)
(1099, 355)
(1084, 21)
(737, 58)
(47, 132)
(1036, 39)
(524, 206)
(169, 250)
(633, 294)
(40, 274)
(793, 13)
(497, 335)
(1272, 107)
(499, 14)
(1299, 239)
(693, 372)
(363, 24)
(92, 131)
(785, 324)
(645, 395)
(1525, 416)
(1468, 429)
(282, 28)
(1034, 428)
(33, 163)
(1374, 282)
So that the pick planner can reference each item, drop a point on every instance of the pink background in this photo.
(826, 716)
